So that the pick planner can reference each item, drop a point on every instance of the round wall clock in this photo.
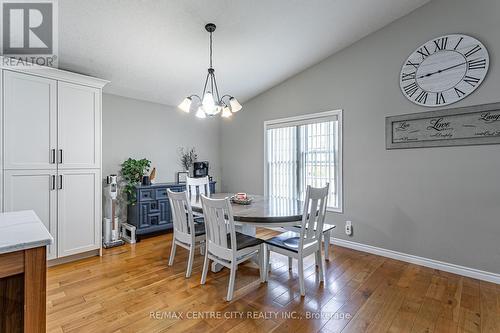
(444, 70)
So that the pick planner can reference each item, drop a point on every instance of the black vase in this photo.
(146, 181)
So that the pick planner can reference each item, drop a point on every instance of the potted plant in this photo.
(187, 158)
(132, 172)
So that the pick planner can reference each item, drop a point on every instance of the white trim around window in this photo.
(300, 123)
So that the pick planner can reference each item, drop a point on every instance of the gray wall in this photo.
(139, 129)
(439, 203)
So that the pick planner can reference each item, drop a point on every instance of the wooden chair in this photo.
(198, 186)
(186, 233)
(224, 245)
(306, 242)
(327, 230)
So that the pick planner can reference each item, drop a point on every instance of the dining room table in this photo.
(262, 211)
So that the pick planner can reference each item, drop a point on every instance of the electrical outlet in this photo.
(348, 228)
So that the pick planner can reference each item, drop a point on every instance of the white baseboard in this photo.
(444, 266)
(74, 257)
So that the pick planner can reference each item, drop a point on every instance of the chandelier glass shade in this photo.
(211, 104)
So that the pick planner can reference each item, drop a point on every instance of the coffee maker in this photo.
(199, 169)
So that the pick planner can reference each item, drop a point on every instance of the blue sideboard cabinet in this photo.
(151, 213)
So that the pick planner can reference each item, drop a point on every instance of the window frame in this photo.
(297, 120)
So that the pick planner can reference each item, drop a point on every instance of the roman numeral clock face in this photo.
(444, 70)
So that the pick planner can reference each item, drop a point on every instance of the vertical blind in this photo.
(302, 153)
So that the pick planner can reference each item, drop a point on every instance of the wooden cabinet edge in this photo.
(35, 289)
(33, 263)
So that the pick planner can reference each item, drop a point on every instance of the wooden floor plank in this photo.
(490, 319)
(131, 289)
(470, 307)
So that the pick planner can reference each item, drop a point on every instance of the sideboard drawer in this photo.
(178, 188)
(146, 195)
(161, 193)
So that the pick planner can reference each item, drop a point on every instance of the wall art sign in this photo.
(472, 125)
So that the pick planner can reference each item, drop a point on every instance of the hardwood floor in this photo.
(131, 289)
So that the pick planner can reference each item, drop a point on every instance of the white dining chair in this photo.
(187, 234)
(327, 236)
(299, 245)
(198, 186)
(224, 245)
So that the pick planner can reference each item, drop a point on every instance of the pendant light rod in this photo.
(211, 52)
(210, 27)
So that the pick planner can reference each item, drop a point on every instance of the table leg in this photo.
(216, 267)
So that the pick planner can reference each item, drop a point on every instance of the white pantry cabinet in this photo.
(51, 153)
(34, 190)
(78, 211)
(30, 121)
(79, 126)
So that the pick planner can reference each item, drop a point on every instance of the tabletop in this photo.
(261, 210)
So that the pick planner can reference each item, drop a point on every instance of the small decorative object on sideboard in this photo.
(132, 172)
(182, 177)
(199, 169)
(241, 199)
(152, 175)
(187, 157)
(146, 180)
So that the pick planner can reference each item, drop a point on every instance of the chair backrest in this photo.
(198, 186)
(182, 216)
(313, 216)
(219, 222)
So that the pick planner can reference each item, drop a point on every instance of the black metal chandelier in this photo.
(211, 104)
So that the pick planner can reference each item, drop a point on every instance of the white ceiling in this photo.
(158, 50)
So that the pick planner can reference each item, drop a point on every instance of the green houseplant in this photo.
(132, 172)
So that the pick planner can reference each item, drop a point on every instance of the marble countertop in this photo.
(22, 230)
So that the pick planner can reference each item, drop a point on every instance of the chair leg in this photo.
(205, 267)
(321, 266)
(262, 263)
(301, 276)
(190, 260)
(268, 258)
(327, 238)
(265, 264)
(289, 263)
(232, 277)
(172, 253)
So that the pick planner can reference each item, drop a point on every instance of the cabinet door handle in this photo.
(52, 156)
(60, 156)
(52, 182)
(60, 182)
